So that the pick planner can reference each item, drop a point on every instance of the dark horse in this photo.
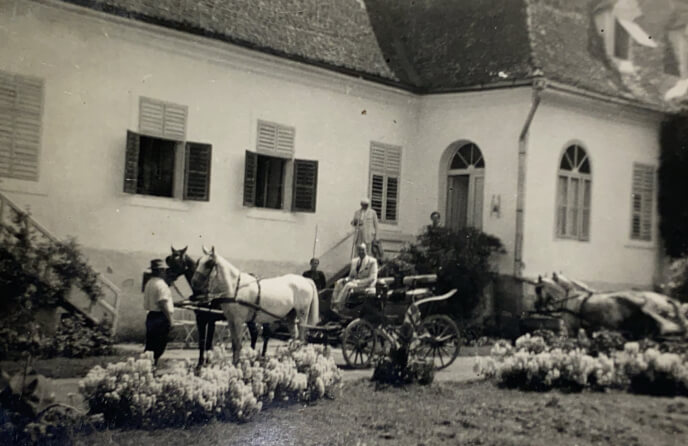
(181, 264)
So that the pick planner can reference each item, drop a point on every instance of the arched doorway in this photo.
(465, 185)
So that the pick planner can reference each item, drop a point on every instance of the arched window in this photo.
(573, 194)
(465, 184)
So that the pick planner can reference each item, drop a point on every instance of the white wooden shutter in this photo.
(162, 119)
(21, 110)
(275, 140)
(642, 201)
(385, 173)
(174, 126)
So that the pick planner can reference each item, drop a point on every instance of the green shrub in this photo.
(461, 260)
(637, 367)
(38, 273)
(75, 338)
(676, 284)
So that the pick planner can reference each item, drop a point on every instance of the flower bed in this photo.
(533, 364)
(131, 394)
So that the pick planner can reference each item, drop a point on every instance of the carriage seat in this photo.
(420, 280)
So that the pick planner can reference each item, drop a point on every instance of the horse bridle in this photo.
(206, 277)
(555, 303)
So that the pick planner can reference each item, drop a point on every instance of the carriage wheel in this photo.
(439, 341)
(358, 344)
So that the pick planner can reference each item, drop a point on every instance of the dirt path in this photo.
(460, 371)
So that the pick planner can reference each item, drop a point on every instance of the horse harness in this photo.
(234, 299)
(566, 310)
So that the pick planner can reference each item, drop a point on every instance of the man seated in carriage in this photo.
(362, 275)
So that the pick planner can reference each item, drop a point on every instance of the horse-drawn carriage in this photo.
(371, 321)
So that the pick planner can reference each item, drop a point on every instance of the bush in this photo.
(37, 274)
(461, 260)
(130, 394)
(676, 285)
(397, 367)
(75, 338)
(534, 365)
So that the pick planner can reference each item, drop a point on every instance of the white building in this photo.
(134, 125)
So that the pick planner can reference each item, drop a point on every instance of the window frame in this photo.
(387, 170)
(583, 213)
(32, 90)
(646, 216)
(186, 179)
(274, 140)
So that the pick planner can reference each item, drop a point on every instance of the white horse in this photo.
(291, 297)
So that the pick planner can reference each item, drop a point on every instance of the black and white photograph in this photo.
(344, 222)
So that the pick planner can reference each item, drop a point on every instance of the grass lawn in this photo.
(475, 413)
(59, 368)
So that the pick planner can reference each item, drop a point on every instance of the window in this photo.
(642, 201)
(385, 171)
(465, 185)
(21, 110)
(158, 161)
(622, 42)
(573, 194)
(273, 178)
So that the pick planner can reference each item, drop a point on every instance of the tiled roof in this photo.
(447, 45)
(428, 46)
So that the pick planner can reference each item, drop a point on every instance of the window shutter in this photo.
(131, 163)
(642, 202)
(377, 193)
(385, 171)
(162, 119)
(377, 159)
(275, 140)
(151, 116)
(21, 110)
(305, 186)
(391, 199)
(174, 126)
(197, 171)
(250, 178)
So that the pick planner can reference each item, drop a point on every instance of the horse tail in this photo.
(314, 309)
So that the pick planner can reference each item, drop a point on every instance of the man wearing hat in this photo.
(157, 300)
(362, 275)
(365, 223)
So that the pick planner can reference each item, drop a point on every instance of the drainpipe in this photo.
(538, 87)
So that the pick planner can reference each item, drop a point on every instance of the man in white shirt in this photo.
(362, 275)
(365, 223)
(157, 300)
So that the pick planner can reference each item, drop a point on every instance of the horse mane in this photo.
(224, 269)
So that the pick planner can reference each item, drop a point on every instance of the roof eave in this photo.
(566, 88)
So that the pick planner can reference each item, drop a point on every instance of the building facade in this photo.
(134, 126)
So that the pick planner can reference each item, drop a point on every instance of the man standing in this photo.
(365, 223)
(316, 276)
(157, 300)
(362, 275)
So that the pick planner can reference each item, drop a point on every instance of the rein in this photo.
(577, 314)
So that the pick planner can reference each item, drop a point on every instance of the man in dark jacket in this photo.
(316, 276)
